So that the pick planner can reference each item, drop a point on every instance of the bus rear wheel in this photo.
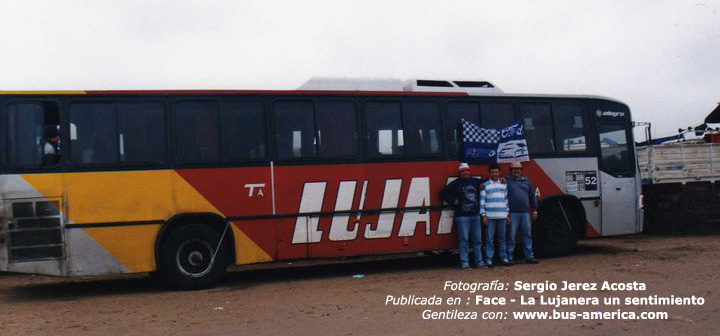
(557, 229)
(188, 257)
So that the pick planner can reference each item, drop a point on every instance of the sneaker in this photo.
(531, 261)
(464, 267)
(511, 261)
(505, 262)
(489, 264)
(480, 265)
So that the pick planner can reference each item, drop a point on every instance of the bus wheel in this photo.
(188, 258)
(556, 231)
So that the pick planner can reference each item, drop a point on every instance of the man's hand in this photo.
(534, 215)
(484, 221)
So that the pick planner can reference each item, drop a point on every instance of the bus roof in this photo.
(292, 92)
(346, 86)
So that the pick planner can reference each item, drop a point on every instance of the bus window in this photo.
(243, 131)
(456, 111)
(106, 132)
(294, 127)
(197, 131)
(96, 131)
(33, 134)
(538, 128)
(569, 130)
(384, 127)
(422, 125)
(337, 128)
(614, 148)
(497, 115)
(141, 132)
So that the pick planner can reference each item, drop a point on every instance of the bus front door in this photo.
(617, 179)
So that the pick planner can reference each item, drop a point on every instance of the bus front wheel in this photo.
(193, 257)
(557, 229)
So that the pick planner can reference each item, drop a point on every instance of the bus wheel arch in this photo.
(185, 250)
(561, 222)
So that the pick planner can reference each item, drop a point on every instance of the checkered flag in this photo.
(475, 133)
(486, 145)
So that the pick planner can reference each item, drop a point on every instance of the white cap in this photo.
(463, 167)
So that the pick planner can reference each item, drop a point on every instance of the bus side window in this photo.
(242, 125)
(497, 115)
(105, 132)
(569, 131)
(422, 124)
(197, 131)
(95, 133)
(336, 128)
(295, 128)
(141, 132)
(384, 127)
(538, 128)
(456, 111)
(33, 134)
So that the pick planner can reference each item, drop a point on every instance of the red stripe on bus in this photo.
(247, 191)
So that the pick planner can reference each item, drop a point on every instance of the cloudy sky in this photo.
(660, 57)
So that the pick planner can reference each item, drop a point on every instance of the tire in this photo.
(556, 231)
(186, 257)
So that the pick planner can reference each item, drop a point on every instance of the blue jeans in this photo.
(493, 226)
(469, 227)
(521, 221)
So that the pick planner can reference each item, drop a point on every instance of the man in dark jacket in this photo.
(523, 205)
(464, 193)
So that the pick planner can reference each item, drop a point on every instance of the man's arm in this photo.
(533, 201)
(507, 201)
(483, 196)
(447, 193)
(531, 195)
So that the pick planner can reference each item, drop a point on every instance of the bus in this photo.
(186, 183)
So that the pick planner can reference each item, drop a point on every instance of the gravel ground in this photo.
(332, 299)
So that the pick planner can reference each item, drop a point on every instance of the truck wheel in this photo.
(556, 231)
(186, 257)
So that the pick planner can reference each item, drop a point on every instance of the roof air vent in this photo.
(433, 83)
(474, 84)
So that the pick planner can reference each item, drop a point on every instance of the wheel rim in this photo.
(194, 258)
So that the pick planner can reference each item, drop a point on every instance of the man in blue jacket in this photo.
(464, 194)
(523, 205)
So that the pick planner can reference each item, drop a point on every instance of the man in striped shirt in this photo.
(494, 211)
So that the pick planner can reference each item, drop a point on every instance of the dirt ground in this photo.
(328, 299)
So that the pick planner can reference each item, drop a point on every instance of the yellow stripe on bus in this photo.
(42, 92)
(108, 197)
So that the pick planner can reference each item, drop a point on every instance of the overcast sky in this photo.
(662, 58)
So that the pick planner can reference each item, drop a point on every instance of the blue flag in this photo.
(487, 145)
